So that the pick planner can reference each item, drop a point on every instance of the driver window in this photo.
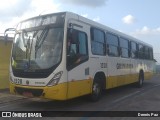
(77, 50)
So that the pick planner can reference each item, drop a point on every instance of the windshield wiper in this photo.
(41, 39)
(30, 51)
(26, 43)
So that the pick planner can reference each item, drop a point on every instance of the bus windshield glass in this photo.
(38, 43)
(38, 49)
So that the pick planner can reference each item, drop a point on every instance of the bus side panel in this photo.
(149, 68)
(58, 92)
(119, 72)
(134, 70)
(78, 88)
(115, 81)
(78, 83)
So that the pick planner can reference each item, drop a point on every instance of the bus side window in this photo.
(98, 42)
(134, 50)
(77, 48)
(112, 45)
(124, 46)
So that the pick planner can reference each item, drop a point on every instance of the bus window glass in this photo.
(77, 52)
(98, 41)
(133, 46)
(146, 52)
(82, 44)
(134, 50)
(124, 45)
(124, 53)
(150, 53)
(112, 45)
(112, 39)
(141, 52)
(113, 51)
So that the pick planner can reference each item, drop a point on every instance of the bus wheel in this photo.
(96, 91)
(140, 81)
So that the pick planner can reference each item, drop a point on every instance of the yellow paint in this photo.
(5, 50)
(79, 88)
(61, 91)
(58, 92)
(115, 81)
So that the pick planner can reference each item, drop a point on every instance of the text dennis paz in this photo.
(152, 114)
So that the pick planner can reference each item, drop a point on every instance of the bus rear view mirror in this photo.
(6, 38)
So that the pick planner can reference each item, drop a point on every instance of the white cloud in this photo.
(147, 31)
(88, 3)
(18, 10)
(85, 15)
(158, 29)
(7, 3)
(43, 7)
(129, 19)
(13, 11)
(96, 19)
(151, 36)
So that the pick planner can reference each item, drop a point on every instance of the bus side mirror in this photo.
(6, 39)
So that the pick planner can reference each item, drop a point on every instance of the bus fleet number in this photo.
(103, 65)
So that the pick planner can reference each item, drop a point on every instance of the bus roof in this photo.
(105, 28)
(94, 24)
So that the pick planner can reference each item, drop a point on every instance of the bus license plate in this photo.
(27, 94)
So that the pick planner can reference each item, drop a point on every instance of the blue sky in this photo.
(139, 18)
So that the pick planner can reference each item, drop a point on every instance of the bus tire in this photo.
(96, 92)
(141, 80)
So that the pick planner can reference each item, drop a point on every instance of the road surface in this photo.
(126, 98)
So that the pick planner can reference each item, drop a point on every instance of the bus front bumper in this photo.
(58, 92)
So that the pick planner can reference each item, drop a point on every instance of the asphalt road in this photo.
(126, 98)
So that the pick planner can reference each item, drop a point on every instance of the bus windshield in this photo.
(37, 49)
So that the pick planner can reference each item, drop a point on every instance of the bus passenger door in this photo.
(77, 60)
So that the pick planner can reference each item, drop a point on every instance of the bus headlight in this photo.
(55, 79)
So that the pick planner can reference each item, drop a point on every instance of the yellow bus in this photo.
(64, 55)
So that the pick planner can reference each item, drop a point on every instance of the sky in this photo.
(138, 18)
